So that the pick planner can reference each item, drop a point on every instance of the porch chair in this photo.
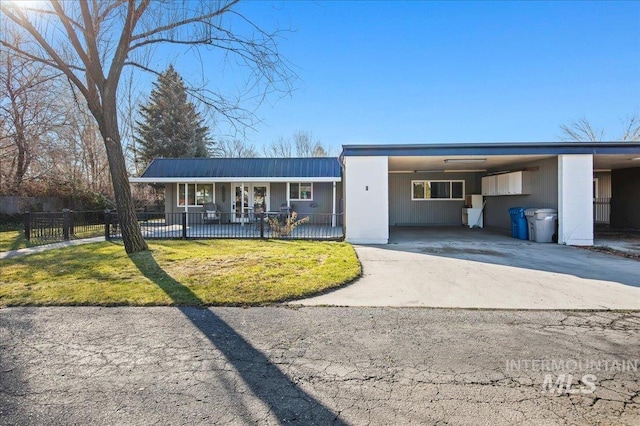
(259, 210)
(211, 214)
(285, 211)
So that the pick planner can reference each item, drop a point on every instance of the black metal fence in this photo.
(42, 228)
(232, 225)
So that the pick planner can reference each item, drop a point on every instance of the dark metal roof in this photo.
(320, 167)
(523, 148)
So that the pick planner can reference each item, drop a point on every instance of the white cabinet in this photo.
(502, 184)
(489, 185)
(514, 183)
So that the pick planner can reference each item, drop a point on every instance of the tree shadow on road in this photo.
(285, 399)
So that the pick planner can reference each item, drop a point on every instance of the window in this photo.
(199, 194)
(301, 191)
(437, 190)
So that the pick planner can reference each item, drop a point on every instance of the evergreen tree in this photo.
(171, 127)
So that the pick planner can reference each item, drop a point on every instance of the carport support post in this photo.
(366, 194)
(575, 199)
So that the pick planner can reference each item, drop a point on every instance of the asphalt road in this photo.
(317, 365)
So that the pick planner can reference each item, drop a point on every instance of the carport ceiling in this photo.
(612, 162)
(497, 162)
(437, 163)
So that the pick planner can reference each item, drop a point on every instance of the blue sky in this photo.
(423, 72)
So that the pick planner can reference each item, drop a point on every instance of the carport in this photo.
(389, 186)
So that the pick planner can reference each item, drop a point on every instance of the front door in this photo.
(250, 199)
(240, 205)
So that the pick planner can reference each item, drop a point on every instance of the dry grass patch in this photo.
(217, 272)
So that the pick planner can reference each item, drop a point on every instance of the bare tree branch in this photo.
(631, 129)
(581, 130)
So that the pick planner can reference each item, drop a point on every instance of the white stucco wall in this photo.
(366, 195)
(575, 200)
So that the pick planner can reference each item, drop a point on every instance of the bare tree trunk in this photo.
(127, 220)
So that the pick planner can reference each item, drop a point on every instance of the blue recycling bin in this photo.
(519, 227)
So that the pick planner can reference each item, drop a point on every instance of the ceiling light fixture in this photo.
(465, 160)
(465, 171)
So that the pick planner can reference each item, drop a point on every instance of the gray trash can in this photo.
(545, 225)
(530, 214)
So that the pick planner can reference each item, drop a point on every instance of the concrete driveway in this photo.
(479, 268)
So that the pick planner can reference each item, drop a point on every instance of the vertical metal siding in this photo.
(322, 193)
(544, 194)
(278, 195)
(169, 197)
(404, 211)
(604, 184)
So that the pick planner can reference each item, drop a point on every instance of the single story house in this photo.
(240, 186)
(378, 187)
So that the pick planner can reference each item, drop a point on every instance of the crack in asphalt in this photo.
(362, 365)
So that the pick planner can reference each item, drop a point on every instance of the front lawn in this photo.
(13, 240)
(212, 272)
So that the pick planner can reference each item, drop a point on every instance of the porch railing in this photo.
(180, 225)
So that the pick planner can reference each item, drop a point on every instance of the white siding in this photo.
(367, 199)
(575, 199)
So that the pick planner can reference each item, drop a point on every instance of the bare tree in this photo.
(77, 155)
(307, 146)
(581, 130)
(303, 144)
(28, 98)
(235, 149)
(280, 148)
(631, 129)
(92, 41)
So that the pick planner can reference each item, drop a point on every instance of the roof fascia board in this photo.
(232, 179)
(493, 149)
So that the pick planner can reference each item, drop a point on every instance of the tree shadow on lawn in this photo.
(19, 242)
(287, 401)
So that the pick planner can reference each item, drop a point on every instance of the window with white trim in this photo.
(437, 190)
(301, 191)
(199, 194)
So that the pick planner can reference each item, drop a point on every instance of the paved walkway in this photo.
(474, 268)
(45, 247)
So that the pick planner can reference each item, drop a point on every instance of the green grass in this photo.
(13, 240)
(214, 272)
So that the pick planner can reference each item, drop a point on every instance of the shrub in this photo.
(285, 228)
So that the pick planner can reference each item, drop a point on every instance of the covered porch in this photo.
(235, 191)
